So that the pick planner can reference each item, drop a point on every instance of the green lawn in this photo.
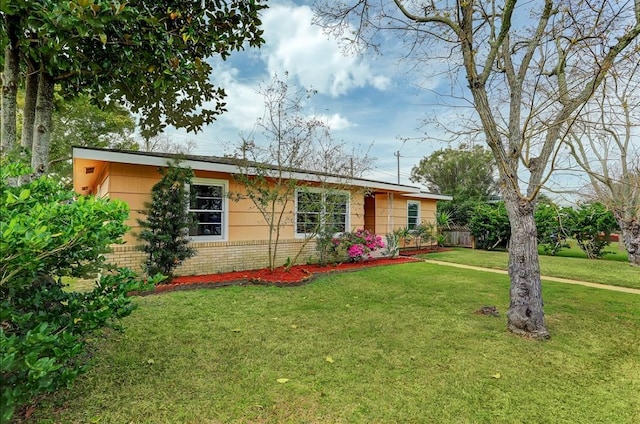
(389, 344)
(613, 252)
(610, 272)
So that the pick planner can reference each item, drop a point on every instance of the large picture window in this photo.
(413, 214)
(316, 209)
(208, 204)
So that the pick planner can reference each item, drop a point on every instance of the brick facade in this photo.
(215, 257)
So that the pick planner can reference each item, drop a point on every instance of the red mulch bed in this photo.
(295, 276)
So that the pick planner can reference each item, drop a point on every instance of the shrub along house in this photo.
(231, 234)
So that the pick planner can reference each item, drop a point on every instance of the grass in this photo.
(388, 344)
(613, 252)
(610, 272)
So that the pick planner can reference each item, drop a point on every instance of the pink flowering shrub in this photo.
(358, 244)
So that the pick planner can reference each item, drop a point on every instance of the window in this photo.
(413, 214)
(315, 208)
(209, 206)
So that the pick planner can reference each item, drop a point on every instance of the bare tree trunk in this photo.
(9, 98)
(29, 114)
(42, 125)
(631, 236)
(525, 315)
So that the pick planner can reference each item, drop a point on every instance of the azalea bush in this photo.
(358, 244)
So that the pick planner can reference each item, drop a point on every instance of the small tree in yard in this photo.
(604, 144)
(294, 142)
(48, 232)
(165, 230)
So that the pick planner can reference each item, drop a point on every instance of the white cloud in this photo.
(244, 104)
(335, 121)
(294, 45)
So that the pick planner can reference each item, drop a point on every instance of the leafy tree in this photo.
(528, 70)
(79, 122)
(591, 226)
(490, 226)
(159, 49)
(48, 233)
(165, 228)
(466, 172)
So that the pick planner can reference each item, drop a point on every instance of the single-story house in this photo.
(231, 233)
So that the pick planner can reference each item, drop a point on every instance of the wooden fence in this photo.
(459, 237)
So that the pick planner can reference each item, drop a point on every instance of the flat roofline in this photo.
(231, 166)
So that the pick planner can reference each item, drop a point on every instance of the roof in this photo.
(231, 166)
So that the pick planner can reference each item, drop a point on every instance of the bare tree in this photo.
(164, 144)
(530, 68)
(290, 142)
(604, 143)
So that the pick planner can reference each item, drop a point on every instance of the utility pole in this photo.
(397, 154)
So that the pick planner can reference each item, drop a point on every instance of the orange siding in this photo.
(133, 183)
(391, 213)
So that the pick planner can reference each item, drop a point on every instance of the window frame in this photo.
(199, 181)
(323, 213)
(418, 204)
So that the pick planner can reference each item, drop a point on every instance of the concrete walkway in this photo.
(556, 279)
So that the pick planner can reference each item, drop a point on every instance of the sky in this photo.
(371, 99)
(367, 100)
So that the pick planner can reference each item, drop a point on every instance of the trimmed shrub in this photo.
(165, 228)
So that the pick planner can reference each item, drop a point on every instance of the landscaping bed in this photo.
(294, 276)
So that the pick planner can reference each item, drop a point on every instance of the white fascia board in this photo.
(142, 159)
(428, 196)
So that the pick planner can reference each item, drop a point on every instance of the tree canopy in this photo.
(466, 171)
(153, 56)
(603, 143)
(78, 122)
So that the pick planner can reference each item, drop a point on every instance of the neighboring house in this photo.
(232, 234)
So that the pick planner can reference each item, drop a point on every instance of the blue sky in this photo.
(365, 99)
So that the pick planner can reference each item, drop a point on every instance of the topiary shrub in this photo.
(165, 228)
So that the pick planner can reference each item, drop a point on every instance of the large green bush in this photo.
(591, 226)
(489, 224)
(46, 233)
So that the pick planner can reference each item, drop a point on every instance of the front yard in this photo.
(613, 270)
(391, 344)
